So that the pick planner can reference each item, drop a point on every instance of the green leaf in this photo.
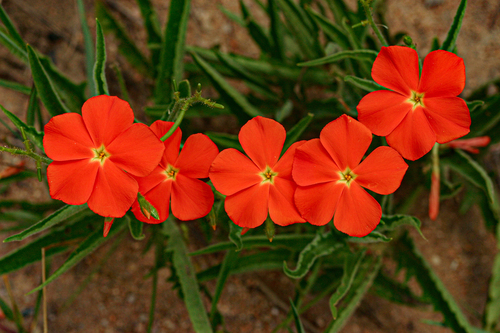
(284, 111)
(372, 237)
(135, 226)
(393, 222)
(351, 265)
(15, 86)
(276, 30)
(235, 235)
(296, 131)
(364, 84)
(363, 55)
(125, 44)
(255, 30)
(492, 309)
(296, 242)
(298, 323)
(232, 16)
(32, 134)
(225, 140)
(152, 28)
(100, 83)
(473, 105)
(236, 101)
(332, 30)
(57, 217)
(44, 86)
(13, 47)
(33, 107)
(229, 260)
(7, 311)
(187, 277)
(395, 291)
(11, 29)
(451, 38)
(87, 41)
(407, 255)
(323, 244)
(89, 245)
(172, 51)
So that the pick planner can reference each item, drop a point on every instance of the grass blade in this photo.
(332, 30)
(152, 28)
(100, 83)
(15, 86)
(363, 55)
(298, 323)
(364, 84)
(16, 37)
(13, 47)
(451, 38)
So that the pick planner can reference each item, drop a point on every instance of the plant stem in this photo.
(33, 155)
(369, 17)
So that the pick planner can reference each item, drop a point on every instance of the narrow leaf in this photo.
(298, 323)
(7, 311)
(152, 28)
(100, 83)
(87, 42)
(229, 260)
(13, 47)
(235, 235)
(473, 105)
(332, 30)
(224, 140)
(16, 37)
(363, 55)
(32, 134)
(15, 86)
(276, 30)
(135, 226)
(451, 38)
(364, 84)
(44, 86)
(187, 277)
(33, 107)
(323, 244)
(296, 131)
(255, 30)
(393, 222)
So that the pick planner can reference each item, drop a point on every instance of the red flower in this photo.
(419, 111)
(330, 177)
(470, 145)
(259, 185)
(175, 178)
(96, 154)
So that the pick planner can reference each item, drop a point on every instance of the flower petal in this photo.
(381, 111)
(66, 138)
(281, 203)
(249, 207)
(72, 181)
(231, 172)
(172, 144)
(137, 150)
(346, 140)
(191, 198)
(449, 117)
(396, 68)
(284, 166)
(382, 171)
(358, 213)
(443, 75)
(414, 137)
(106, 117)
(196, 156)
(313, 165)
(114, 191)
(157, 176)
(317, 203)
(159, 197)
(262, 139)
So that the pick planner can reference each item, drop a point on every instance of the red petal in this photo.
(114, 191)
(196, 156)
(159, 197)
(317, 203)
(156, 177)
(346, 140)
(358, 213)
(382, 171)
(396, 68)
(172, 144)
(449, 117)
(107, 227)
(443, 75)
(414, 137)
(381, 111)
(313, 165)
(262, 139)
(284, 166)
(106, 117)
(191, 198)
(232, 172)
(136, 150)
(281, 203)
(248, 208)
(72, 181)
(66, 138)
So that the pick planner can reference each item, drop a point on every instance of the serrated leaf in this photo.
(100, 83)
(57, 217)
(363, 55)
(87, 42)
(364, 84)
(15, 86)
(185, 271)
(89, 245)
(236, 101)
(135, 226)
(172, 51)
(33, 135)
(407, 255)
(351, 265)
(372, 237)
(296, 131)
(323, 244)
(451, 38)
(44, 86)
(393, 222)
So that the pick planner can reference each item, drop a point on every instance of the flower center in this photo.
(171, 172)
(268, 175)
(347, 176)
(100, 154)
(417, 99)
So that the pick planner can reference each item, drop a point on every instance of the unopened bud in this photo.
(108, 222)
(147, 209)
(269, 229)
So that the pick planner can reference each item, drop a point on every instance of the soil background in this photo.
(117, 299)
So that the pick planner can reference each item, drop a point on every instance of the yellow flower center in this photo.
(100, 154)
(171, 172)
(347, 176)
(417, 99)
(268, 175)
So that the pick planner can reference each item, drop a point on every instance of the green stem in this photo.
(33, 155)
(369, 17)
